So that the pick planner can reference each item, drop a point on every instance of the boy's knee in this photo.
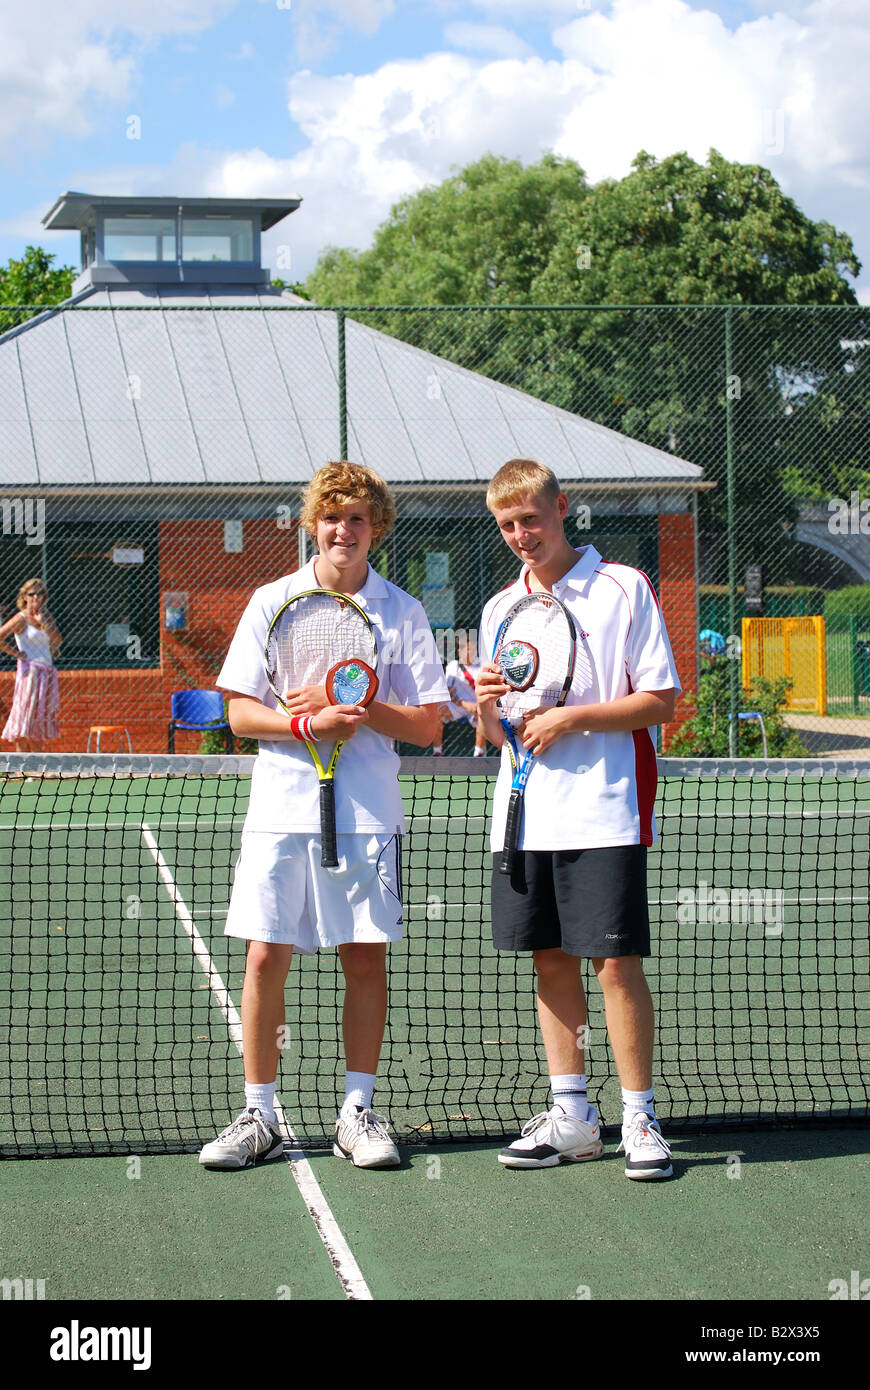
(363, 961)
(264, 962)
(555, 964)
(619, 972)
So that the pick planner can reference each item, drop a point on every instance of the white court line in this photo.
(346, 1268)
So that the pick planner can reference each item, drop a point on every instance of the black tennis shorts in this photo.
(591, 902)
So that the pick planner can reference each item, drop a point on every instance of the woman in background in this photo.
(33, 717)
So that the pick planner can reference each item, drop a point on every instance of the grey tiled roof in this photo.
(217, 397)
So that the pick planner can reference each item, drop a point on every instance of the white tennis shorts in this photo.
(281, 892)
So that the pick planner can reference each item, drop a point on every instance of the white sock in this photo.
(479, 752)
(358, 1088)
(637, 1102)
(570, 1092)
(261, 1096)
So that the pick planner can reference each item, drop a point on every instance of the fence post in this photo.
(854, 663)
(342, 385)
(732, 532)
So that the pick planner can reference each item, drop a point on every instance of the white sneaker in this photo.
(361, 1136)
(554, 1137)
(647, 1156)
(248, 1140)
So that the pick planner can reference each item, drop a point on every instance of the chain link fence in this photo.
(153, 459)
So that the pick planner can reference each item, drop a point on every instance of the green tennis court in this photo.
(122, 994)
(123, 991)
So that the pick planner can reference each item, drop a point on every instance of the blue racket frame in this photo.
(522, 759)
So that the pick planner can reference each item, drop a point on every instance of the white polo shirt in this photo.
(285, 793)
(461, 688)
(594, 790)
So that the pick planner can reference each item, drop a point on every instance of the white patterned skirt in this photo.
(34, 703)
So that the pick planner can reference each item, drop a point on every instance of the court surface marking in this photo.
(341, 1257)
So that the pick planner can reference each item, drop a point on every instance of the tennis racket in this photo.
(323, 638)
(540, 660)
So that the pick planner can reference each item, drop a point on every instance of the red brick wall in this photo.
(192, 559)
(678, 596)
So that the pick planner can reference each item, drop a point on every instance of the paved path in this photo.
(834, 737)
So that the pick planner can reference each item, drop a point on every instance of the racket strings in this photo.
(547, 631)
(314, 633)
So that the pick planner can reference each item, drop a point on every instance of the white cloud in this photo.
(57, 74)
(318, 24)
(523, 10)
(366, 16)
(774, 91)
(487, 38)
(387, 133)
(653, 74)
(650, 74)
(224, 96)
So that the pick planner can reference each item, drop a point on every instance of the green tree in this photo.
(673, 233)
(294, 286)
(708, 735)
(33, 279)
(482, 237)
(679, 232)
(722, 233)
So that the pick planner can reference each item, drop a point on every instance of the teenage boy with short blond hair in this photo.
(579, 886)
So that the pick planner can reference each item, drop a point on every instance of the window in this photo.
(217, 239)
(139, 238)
(101, 600)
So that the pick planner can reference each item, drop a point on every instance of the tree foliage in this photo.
(675, 233)
(481, 237)
(679, 232)
(34, 280)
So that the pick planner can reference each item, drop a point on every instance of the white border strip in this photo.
(341, 1257)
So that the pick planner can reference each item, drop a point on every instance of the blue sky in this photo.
(350, 104)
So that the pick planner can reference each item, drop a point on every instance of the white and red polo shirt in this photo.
(592, 790)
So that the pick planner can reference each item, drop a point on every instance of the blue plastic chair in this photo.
(200, 710)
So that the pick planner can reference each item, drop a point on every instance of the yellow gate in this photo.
(793, 647)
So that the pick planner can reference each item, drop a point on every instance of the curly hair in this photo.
(29, 584)
(518, 477)
(337, 485)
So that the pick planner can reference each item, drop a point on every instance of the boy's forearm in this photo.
(488, 717)
(643, 709)
(248, 718)
(417, 724)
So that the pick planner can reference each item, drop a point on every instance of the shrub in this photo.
(706, 734)
(843, 603)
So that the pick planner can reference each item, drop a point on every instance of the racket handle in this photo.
(328, 845)
(511, 833)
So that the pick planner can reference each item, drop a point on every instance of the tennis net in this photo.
(119, 993)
